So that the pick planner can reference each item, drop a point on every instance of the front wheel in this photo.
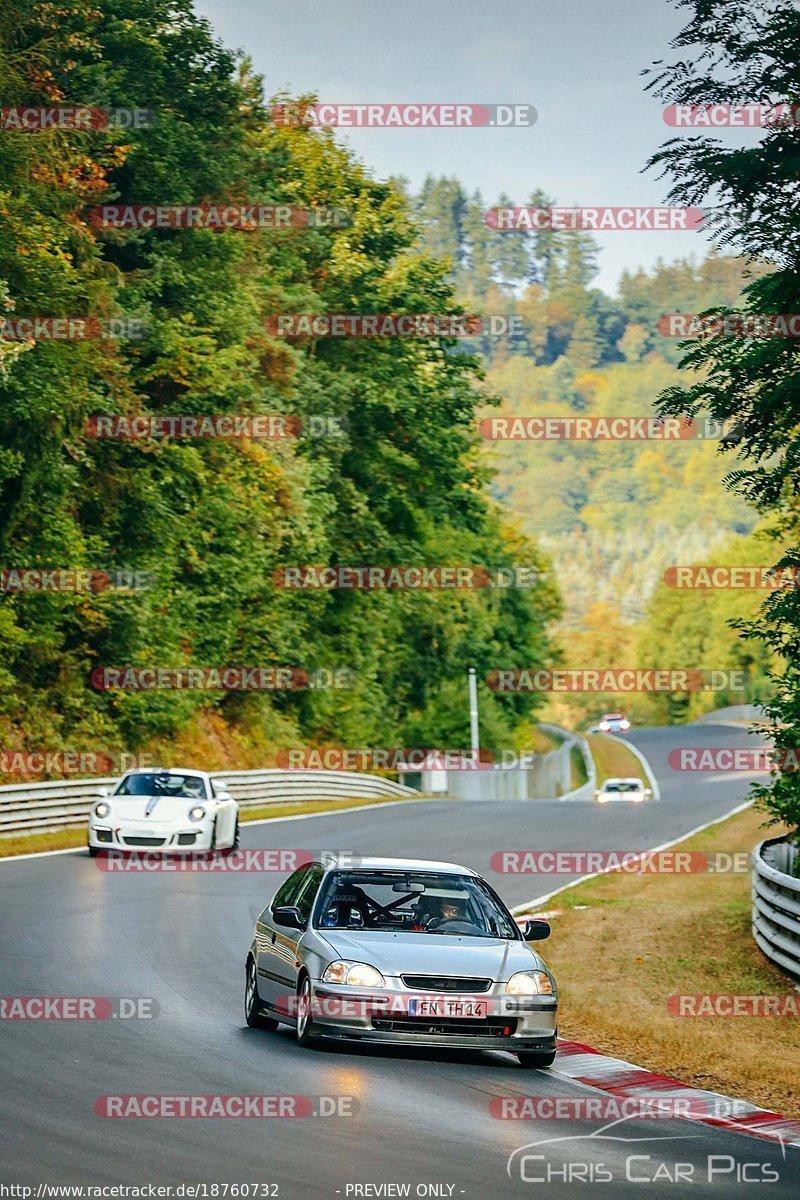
(252, 1003)
(533, 1059)
(304, 1035)
(93, 851)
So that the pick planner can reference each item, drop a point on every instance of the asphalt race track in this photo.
(70, 929)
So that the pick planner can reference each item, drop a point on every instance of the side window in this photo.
(289, 889)
(308, 893)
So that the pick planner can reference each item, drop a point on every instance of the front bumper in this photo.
(151, 837)
(514, 1022)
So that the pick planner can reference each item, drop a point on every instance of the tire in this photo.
(93, 851)
(235, 845)
(534, 1060)
(304, 1036)
(252, 1003)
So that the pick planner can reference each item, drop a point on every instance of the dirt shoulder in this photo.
(625, 944)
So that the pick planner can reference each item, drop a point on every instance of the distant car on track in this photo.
(613, 723)
(630, 789)
(403, 951)
(176, 811)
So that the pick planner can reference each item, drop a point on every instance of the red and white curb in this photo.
(623, 1079)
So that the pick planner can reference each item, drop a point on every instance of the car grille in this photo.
(144, 841)
(447, 983)
(187, 839)
(463, 1027)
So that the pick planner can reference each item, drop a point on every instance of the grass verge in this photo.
(65, 839)
(577, 768)
(627, 943)
(612, 759)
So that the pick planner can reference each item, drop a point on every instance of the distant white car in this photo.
(631, 789)
(176, 811)
(614, 723)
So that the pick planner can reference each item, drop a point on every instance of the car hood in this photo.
(161, 808)
(432, 954)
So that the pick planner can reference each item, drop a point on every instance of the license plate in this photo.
(419, 1007)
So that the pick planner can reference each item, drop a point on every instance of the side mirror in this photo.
(648, 791)
(222, 796)
(100, 794)
(536, 931)
(288, 916)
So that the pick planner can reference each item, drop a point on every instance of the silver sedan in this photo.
(401, 951)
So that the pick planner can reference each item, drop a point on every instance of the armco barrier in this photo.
(539, 777)
(66, 803)
(776, 903)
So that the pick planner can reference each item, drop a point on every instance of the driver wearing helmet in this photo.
(443, 908)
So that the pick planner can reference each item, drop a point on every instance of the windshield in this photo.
(155, 783)
(427, 902)
(624, 785)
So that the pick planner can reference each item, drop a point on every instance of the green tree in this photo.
(751, 385)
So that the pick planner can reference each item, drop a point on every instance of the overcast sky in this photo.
(578, 62)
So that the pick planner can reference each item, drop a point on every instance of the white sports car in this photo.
(176, 811)
(631, 789)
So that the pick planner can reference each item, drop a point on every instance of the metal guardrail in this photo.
(577, 741)
(531, 776)
(776, 903)
(64, 804)
(734, 714)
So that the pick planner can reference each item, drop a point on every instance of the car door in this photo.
(272, 977)
(286, 947)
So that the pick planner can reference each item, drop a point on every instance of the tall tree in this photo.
(750, 55)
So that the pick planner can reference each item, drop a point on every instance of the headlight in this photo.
(356, 974)
(102, 809)
(197, 813)
(530, 983)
